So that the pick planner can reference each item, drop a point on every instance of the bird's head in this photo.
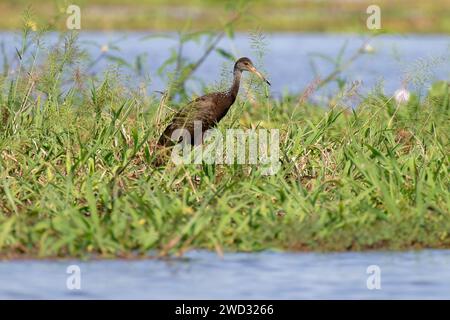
(245, 64)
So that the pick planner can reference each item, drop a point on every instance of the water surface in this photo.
(267, 275)
(291, 60)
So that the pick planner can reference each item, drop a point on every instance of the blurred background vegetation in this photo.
(273, 15)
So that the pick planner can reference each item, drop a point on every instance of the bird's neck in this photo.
(235, 86)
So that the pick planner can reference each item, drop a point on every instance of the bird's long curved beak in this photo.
(259, 74)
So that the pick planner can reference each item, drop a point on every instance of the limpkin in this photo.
(210, 108)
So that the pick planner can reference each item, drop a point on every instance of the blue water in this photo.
(289, 59)
(267, 275)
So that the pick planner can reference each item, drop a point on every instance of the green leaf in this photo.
(118, 60)
(225, 54)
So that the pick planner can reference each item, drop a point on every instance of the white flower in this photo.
(104, 48)
(401, 96)
(368, 48)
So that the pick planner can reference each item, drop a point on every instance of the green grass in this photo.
(77, 179)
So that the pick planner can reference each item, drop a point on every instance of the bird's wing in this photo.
(200, 109)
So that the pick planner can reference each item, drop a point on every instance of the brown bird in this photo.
(208, 109)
